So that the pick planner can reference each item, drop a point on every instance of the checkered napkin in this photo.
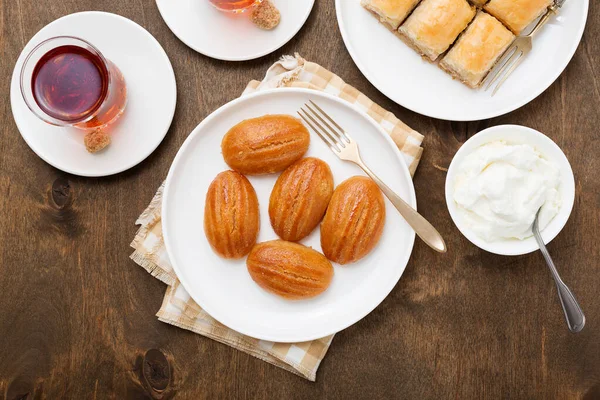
(179, 309)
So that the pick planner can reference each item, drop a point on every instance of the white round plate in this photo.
(515, 134)
(151, 97)
(403, 76)
(227, 36)
(223, 287)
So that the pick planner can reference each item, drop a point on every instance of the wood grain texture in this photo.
(77, 316)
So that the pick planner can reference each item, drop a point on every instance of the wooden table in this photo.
(77, 316)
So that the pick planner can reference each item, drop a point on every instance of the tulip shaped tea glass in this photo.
(235, 6)
(66, 81)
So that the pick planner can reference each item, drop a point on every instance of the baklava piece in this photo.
(391, 13)
(435, 24)
(517, 14)
(477, 50)
(478, 3)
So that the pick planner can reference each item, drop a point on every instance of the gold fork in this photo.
(346, 149)
(516, 52)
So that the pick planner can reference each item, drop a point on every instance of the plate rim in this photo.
(481, 116)
(237, 59)
(125, 166)
(290, 338)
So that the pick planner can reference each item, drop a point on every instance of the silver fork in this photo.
(346, 149)
(573, 313)
(516, 52)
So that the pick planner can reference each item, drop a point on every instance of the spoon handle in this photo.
(573, 313)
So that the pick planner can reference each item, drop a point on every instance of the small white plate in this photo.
(548, 149)
(223, 287)
(227, 36)
(151, 97)
(403, 76)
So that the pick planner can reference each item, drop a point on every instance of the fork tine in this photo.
(514, 65)
(332, 146)
(327, 141)
(504, 62)
(332, 131)
(330, 134)
(500, 63)
(340, 129)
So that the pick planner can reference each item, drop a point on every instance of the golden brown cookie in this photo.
(231, 217)
(299, 198)
(354, 220)
(289, 269)
(266, 144)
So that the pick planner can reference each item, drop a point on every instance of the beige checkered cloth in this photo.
(179, 309)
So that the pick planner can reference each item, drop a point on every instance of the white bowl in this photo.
(515, 134)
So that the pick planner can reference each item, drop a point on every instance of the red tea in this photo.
(233, 5)
(70, 83)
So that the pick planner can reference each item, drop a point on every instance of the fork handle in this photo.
(552, 10)
(545, 18)
(421, 226)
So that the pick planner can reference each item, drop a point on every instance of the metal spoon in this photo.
(573, 313)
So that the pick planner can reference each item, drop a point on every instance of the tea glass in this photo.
(109, 108)
(234, 6)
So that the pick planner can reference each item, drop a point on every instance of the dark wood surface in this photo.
(77, 316)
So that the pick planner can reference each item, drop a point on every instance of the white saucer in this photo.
(151, 97)
(403, 76)
(230, 37)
